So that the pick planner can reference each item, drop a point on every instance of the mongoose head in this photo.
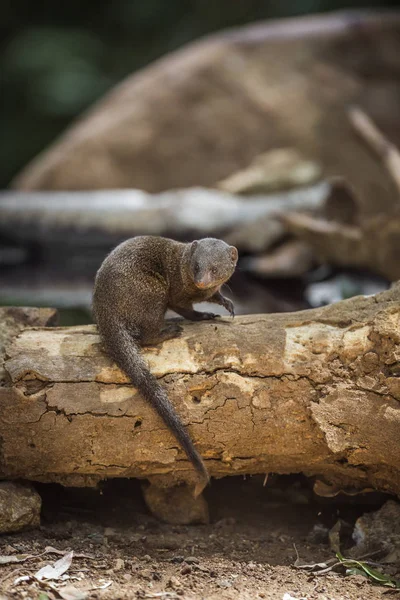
(212, 262)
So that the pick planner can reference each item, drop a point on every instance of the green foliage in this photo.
(357, 567)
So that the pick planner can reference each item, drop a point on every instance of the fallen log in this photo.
(370, 243)
(13, 320)
(101, 218)
(315, 392)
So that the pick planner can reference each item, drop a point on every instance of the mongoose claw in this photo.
(228, 304)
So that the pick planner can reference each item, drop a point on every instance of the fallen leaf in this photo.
(103, 586)
(312, 566)
(57, 569)
(21, 579)
(18, 558)
(51, 550)
(72, 593)
(14, 558)
(378, 577)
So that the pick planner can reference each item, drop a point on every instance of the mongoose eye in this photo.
(214, 270)
(196, 268)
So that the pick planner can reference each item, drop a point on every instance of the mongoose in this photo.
(134, 287)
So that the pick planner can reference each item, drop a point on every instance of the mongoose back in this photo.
(136, 284)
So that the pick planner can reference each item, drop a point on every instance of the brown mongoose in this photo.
(134, 287)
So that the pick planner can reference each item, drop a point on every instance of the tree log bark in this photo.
(57, 217)
(316, 392)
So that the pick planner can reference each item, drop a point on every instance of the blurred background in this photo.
(58, 58)
(262, 118)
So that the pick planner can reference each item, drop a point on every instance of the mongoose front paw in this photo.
(228, 304)
(208, 316)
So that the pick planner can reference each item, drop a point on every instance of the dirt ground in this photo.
(247, 551)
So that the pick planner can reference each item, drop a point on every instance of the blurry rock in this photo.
(319, 534)
(292, 259)
(378, 530)
(204, 112)
(19, 507)
(176, 505)
(334, 536)
(280, 169)
(257, 235)
(373, 246)
(342, 204)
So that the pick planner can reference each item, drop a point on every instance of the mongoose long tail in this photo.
(125, 350)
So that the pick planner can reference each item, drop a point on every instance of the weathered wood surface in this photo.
(13, 320)
(315, 392)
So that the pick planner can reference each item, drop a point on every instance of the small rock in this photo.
(379, 529)
(147, 558)
(224, 583)
(319, 534)
(186, 569)
(225, 523)
(191, 560)
(174, 583)
(119, 564)
(176, 505)
(110, 532)
(177, 559)
(202, 569)
(19, 507)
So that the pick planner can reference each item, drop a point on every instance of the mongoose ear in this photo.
(234, 253)
(193, 246)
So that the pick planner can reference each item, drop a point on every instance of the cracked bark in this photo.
(316, 392)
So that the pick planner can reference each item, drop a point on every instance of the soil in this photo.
(246, 552)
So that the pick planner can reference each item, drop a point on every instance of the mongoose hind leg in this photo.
(149, 302)
(167, 332)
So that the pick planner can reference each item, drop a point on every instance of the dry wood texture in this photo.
(315, 392)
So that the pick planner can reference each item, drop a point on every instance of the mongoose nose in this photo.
(204, 282)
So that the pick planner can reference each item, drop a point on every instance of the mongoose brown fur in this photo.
(134, 287)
